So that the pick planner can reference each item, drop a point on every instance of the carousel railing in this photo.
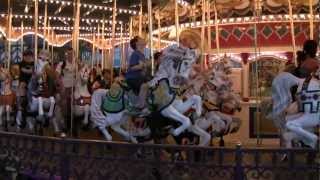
(24, 156)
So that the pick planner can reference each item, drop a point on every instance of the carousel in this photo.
(150, 89)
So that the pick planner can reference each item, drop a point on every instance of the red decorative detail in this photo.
(246, 41)
(244, 57)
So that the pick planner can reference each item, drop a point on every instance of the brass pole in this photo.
(216, 29)
(209, 25)
(93, 50)
(292, 33)
(140, 19)
(36, 11)
(9, 37)
(150, 36)
(52, 42)
(45, 25)
(311, 19)
(176, 11)
(75, 47)
(203, 3)
(159, 32)
(21, 42)
(114, 14)
(48, 34)
(121, 54)
(102, 44)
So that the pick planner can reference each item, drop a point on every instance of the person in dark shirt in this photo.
(26, 71)
(309, 51)
(135, 74)
(26, 67)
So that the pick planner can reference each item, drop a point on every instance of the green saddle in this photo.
(114, 101)
(161, 96)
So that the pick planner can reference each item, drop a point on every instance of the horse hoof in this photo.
(63, 135)
(134, 140)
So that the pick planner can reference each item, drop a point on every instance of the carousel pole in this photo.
(102, 42)
(114, 14)
(36, 17)
(121, 44)
(209, 33)
(292, 33)
(99, 40)
(21, 42)
(9, 36)
(311, 19)
(75, 47)
(176, 11)
(216, 25)
(256, 51)
(140, 19)
(93, 49)
(48, 34)
(45, 25)
(203, 3)
(159, 32)
(209, 24)
(52, 40)
(150, 35)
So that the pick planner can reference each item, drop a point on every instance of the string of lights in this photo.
(98, 7)
(61, 18)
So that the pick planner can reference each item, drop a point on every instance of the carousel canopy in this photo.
(96, 14)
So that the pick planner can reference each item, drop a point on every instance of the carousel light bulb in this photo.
(68, 3)
(85, 5)
(95, 7)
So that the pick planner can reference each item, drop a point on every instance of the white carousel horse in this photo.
(82, 97)
(218, 99)
(41, 96)
(296, 120)
(7, 96)
(174, 69)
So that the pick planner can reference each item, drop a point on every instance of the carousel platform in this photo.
(43, 157)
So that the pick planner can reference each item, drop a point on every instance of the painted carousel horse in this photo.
(41, 97)
(7, 97)
(297, 120)
(82, 97)
(217, 119)
(119, 100)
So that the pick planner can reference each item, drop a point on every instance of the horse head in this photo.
(176, 65)
(84, 74)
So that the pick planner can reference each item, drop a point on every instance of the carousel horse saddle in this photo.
(308, 100)
(161, 96)
(114, 101)
(82, 101)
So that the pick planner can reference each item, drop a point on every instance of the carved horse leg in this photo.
(8, 111)
(117, 128)
(205, 137)
(51, 108)
(194, 102)
(305, 121)
(86, 114)
(40, 106)
(115, 120)
(174, 114)
(105, 133)
(1, 114)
